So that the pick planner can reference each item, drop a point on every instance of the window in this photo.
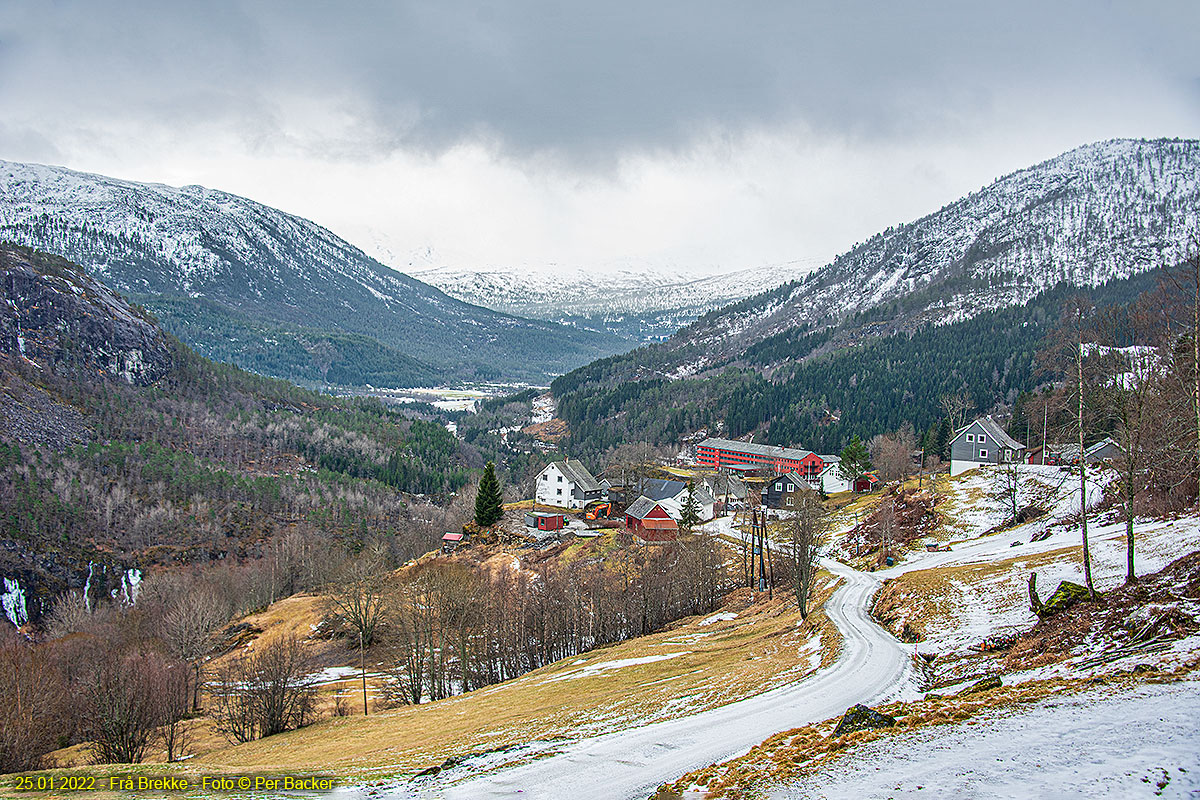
(983, 454)
(559, 492)
(779, 486)
(560, 478)
(982, 439)
(789, 487)
(971, 438)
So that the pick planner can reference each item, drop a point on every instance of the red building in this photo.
(650, 522)
(747, 456)
(545, 521)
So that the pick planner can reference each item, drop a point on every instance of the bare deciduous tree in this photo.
(188, 627)
(264, 693)
(356, 599)
(806, 530)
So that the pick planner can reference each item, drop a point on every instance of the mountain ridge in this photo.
(269, 268)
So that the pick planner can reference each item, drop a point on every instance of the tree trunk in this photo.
(1083, 509)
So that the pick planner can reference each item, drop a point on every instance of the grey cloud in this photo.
(581, 80)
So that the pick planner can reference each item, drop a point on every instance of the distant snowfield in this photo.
(1143, 743)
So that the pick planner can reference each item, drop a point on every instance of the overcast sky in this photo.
(700, 135)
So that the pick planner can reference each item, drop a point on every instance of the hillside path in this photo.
(872, 667)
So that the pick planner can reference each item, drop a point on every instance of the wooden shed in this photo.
(545, 520)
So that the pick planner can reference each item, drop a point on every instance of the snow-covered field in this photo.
(1139, 743)
(989, 595)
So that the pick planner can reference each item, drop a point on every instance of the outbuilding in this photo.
(650, 522)
(545, 520)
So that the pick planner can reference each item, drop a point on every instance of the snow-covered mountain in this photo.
(642, 303)
(1102, 211)
(219, 268)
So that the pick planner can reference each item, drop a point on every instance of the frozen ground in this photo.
(1143, 743)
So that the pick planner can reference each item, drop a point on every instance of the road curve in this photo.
(630, 764)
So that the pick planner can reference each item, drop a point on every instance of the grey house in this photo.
(983, 442)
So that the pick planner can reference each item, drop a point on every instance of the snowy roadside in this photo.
(1143, 742)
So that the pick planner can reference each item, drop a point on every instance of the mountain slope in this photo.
(877, 337)
(181, 250)
(1102, 211)
(642, 304)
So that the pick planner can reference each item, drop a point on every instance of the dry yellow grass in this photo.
(710, 665)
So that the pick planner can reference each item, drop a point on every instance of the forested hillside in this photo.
(825, 386)
(104, 467)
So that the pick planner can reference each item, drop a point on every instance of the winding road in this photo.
(872, 667)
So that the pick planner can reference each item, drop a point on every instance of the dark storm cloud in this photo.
(578, 80)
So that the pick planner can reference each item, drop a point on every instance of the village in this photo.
(714, 478)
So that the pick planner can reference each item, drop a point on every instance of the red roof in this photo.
(653, 523)
(452, 537)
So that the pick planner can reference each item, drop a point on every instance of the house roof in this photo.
(660, 489)
(577, 473)
(993, 429)
(641, 507)
(654, 524)
(544, 514)
(1100, 445)
(795, 477)
(452, 537)
(769, 451)
(719, 484)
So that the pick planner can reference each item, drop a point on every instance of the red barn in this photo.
(650, 522)
(747, 456)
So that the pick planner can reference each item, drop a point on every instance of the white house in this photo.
(983, 442)
(567, 484)
(830, 479)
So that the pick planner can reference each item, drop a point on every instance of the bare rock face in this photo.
(57, 318)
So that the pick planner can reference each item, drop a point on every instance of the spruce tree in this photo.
(690, 516)
(488, 499)
(855, 459)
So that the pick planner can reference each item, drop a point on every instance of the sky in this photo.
(700, 137)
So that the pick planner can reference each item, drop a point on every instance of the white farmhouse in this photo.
(566, 484)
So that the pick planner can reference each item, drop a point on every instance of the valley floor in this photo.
(1143, 742)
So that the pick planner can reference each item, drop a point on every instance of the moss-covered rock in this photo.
(862, 718)
(1066, 595)
(990, 682)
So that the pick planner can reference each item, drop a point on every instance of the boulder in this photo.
(1066, 595)
(990, 682)
(862, 718)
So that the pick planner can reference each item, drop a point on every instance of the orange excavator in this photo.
(597, 511)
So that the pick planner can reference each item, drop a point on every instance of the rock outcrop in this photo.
(862, 718)
(57, 318)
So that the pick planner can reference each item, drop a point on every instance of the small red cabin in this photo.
(545, 521)
(867, 482)
(650, 522)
